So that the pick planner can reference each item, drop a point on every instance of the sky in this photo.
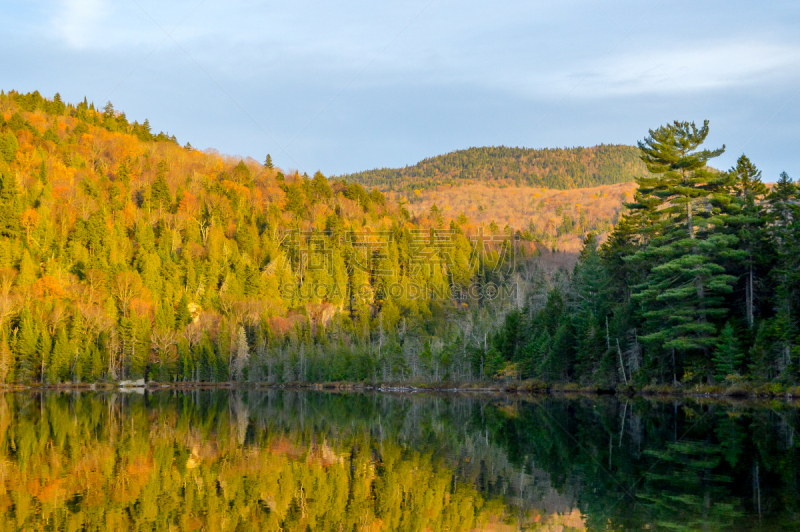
(353, 85)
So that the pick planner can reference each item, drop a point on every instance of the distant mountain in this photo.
(559, 168)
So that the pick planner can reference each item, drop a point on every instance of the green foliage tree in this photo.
(8, 147)
(10, 204)
(683, 295)
(160, 194)
(60, 361)
(728, 355)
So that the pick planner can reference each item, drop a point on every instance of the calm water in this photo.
(285, 460)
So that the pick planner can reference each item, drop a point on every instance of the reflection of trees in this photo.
(219, 461)
(666, 465)
(260, 460)
(685, 491)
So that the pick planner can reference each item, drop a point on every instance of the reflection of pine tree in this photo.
(684, 491)
(731, 437)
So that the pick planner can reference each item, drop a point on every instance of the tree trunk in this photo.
(674, 372)
(750, 295)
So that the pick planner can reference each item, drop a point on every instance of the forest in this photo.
(697, 283)
(555, 219)
(125, 255)
(558, 168)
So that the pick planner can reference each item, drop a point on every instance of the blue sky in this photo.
(352, 85)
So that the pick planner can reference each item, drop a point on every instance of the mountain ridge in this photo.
(558, 168)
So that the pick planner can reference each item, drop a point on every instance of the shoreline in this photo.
(763, 391)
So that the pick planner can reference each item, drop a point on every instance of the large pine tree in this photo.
(682, 297)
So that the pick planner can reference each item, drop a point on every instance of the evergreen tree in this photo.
(728, 355)
(28, 363)
(268, 162)
(590, 281)
(783, 226)
(745, 219)
(320, 187)
(43, 173)
(182, 315)
(10, 204)
(27, 270)
(58, 368)
(683, 294)
(160, 196)
(8, 147)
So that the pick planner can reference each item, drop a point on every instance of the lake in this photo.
(228, 460)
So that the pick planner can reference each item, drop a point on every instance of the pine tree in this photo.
(182, 314)
(165, 317)
(590, 288)
(783, 226)
(745, 219)
(10, 204)
(160, 196)
(683, 294)
(320, 188)
(268, 162)
(8, 147)
(728, 355)
(28, 364)
(58, 369)
(43, 173)
(27, 270)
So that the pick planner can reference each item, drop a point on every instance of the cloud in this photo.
(79, 21)
(699, 69)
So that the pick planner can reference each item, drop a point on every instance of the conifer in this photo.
(728, 355)
(683, 294)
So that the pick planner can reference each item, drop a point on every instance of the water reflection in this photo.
(284, 460)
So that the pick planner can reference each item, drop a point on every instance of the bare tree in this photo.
(125, 287)
(242, 354)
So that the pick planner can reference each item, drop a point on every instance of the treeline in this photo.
(86, 116)
(697, 284)
(559, 168)
(125, 257)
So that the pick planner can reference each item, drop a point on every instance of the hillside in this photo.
(126, 255)
(556, 218)
(559, 168)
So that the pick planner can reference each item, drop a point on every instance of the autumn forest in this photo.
(125, 255)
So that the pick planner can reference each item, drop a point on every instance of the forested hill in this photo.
(559, 168)
(126, 255)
